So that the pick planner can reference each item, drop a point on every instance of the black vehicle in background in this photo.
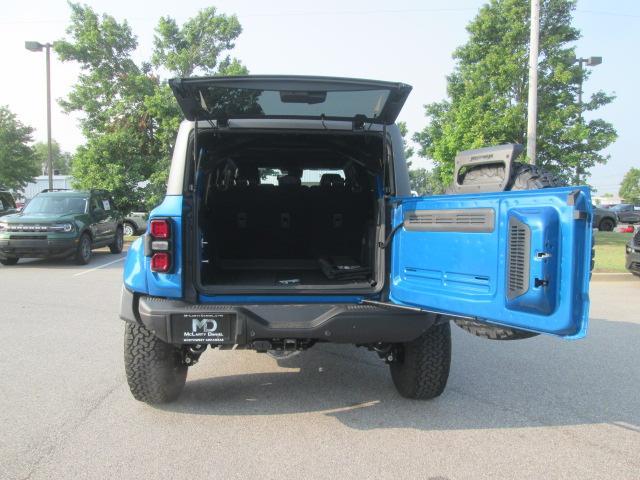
(632, 259)
(135, 223)
(627, 213)
(603, 219)
(7, 204)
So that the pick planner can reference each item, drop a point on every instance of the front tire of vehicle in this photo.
(422, 368)
(118, 242)
(9, 261)
(154, 369)
(83, 250)
(606, 225)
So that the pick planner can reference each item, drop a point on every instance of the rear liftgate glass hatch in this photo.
(258, 238)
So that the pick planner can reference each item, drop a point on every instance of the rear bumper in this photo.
(338, 323)
(38, 248)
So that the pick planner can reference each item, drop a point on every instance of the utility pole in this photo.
(532, 110)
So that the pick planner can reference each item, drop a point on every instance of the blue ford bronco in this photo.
(288, 221)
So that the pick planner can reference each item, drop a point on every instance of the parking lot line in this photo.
(98, 267)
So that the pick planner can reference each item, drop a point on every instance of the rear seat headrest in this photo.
(331, 180)
(248, 175)
(289, 180)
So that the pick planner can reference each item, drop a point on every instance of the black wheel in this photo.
(523, 177)
(118, 242)
(154, 369)
(606, 225)
(83, 250)
(421, 368)
(129, 229)
(9, 261)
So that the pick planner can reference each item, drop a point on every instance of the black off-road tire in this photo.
(118, 242)
(606, 225)
(83, 250)
(9, 261)
(154, 369)
(531, 177)
(493, 332)
(422, 366)
(523, 177)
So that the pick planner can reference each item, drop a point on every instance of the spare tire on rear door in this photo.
(523, 177)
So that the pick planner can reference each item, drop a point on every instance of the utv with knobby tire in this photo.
(288, 221)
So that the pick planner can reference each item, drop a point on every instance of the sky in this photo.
(410, 41)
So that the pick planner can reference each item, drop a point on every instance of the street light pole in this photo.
(49, 147)
(37, 47)
(590, 62)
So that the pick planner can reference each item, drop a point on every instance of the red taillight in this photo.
(160, 262)
(159, 245)
(160, 229)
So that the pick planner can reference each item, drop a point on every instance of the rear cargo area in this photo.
(289, 212)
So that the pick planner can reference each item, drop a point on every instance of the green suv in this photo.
(62, 223)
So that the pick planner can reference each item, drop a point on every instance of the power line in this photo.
(358, 12)
(613, 14)
(280, 14)
(336, 13)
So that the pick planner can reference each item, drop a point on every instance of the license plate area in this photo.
(203, 327)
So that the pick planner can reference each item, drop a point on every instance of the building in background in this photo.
(606, 200)
(42, 182)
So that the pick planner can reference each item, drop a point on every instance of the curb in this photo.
(613, 277)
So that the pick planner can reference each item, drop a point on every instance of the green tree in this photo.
(130, 117)
(408, 150)
(630, 187)
(426, 182)
(110, 92)
(487, 92)
(61, 160)
(198, 45)
(18, 164)
(421, 180)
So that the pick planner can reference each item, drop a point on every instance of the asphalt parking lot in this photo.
(537, 408)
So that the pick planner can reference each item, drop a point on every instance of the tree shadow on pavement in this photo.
(536, 382)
